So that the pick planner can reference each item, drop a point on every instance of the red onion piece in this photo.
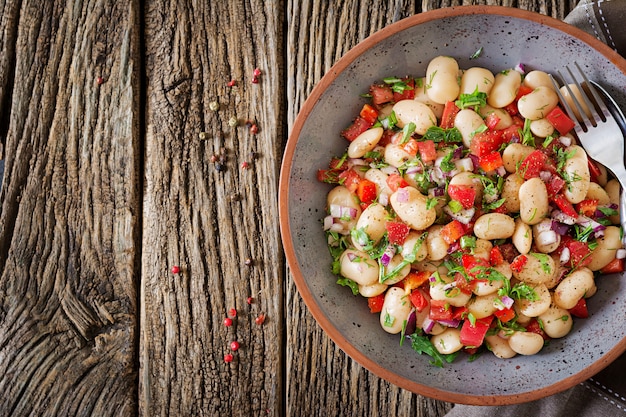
(328, 222)
(402, 195)
(507, 301)
(559, 228)
(449, 323)
(428, 325)
(565, 140)
(411, 324)
(351, 256)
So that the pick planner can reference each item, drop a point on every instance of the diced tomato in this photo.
(395, 181)
(376, 303)
(460, 313)
(580, 309)
(464, 194)
(594, 170)
(490, 162)
(415, 279)
(473, 265)
(411, 147)
(554, 186)
(560, 120)
(564, 205)
(473, 335)
(350, 179)
(329, 176)
(518, 263)
(533, 326)
(357, 127)
(452, 232)
(579, 253)
(369, 114)
(587, 207)
(512, 109)
(505, 315)
(486, 142)
(492, 120)
(614, 267)
(407, 93)
(366, 191)
(440, 310)
(427, 150)
(418, 300)
(386, 138)
(533, 164)
(450, 111)
(522, 91)
(500, 209)
(381, 93)
(495, 256)
(510, 132)
(397, 232)
(463, 284)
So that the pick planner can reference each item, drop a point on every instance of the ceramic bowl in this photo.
(508, 37)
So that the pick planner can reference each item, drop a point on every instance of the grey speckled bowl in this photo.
(508, 37)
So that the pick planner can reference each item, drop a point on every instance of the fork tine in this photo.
(604, 111)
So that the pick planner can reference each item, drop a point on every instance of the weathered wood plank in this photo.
(208, 221)
(70, 208)
(318, 35)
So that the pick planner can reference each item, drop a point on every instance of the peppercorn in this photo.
(219, 167)
(248, 262)
(228, 322)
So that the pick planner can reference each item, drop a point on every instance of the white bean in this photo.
(536, 79)
(483, 306)
(514, 154)
(422, 96)
(342, 197)
(605, 251)
(365, 142)
(493, 226)
(546, 239)
(415, 238)
(359, 267)
(522, 237)
(538, 269)
(557, 322)
(573, 287)
(538, 103)
(541, 128)
(499, 347)
(441, 79)
(437, 247)
(394, 263)
(448, 342)
(526, 343)
(576, 172)
(476, 79)
(411, 207)
(534, 203)
(395, 311)
(505, 87)
(537, 307)
(408, 111)
(380, 179)
(510, 192)
(596, 192)
(482, 249)
(372, 222)
(469, 178)
(505, 118)
(453, 296)
(372, 290)
(468, 121)
(579, 98)
(395, 155)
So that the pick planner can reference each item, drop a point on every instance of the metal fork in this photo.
(598, 131)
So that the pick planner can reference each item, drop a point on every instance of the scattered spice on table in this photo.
(175, 269)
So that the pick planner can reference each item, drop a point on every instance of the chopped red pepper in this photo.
(408, 93)
(533, 164)
(440, 310)
(587, 207)
(533, 326)
(594, 171)
(463, 284)
(381, 94)
(376, 303)
(518, 263)
(505, 315)
(350, 179)
(357, 127)
(490, 162)
(427, 150)
(464, 194)
(452, 232)
(474, 334)
(418, 300)
(580, 309)
(450, 111)
(564, 205)
(397, 232)
(495, 256)
(492, 120)
(395, 182)
(614, 267)
(366, 191)
(486, 142)
(369, 114)
(411, 147)
(579, 253)
(560, 121)
(415, 279)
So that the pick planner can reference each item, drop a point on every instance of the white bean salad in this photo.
(466, 214)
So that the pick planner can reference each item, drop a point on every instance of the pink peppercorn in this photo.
(256, 72)
(228, 322)
(175, 269)
(232, 312)
(232, 83)
(234, 345)
(228, 358)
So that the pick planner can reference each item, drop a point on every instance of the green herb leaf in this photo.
(422, 345)
(345, 282)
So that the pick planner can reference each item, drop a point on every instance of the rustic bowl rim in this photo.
(328, 78)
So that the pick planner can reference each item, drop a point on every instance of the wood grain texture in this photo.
(210, 221)
(318, 35)
(70, 208)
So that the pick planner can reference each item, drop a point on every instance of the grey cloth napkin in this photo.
(603, 395)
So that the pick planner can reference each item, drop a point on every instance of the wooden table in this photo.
(119, 167)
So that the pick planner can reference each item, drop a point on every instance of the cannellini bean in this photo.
(411, 206)
(576, 172)
(437, 247)
(546, 239)
(522, 237)
(526, 343)
(476, 78)
(482, 249)
(538, 103)
(538, 269)
(514, 154)
(341, 196)
(396, 309)
(557, 322)
(487, 287)
(493, 226)
(499, 347)
(510, 192)
(395, 155)
(540, 306)
(468, 121)
(394, 263)
(596, 192)
(541, 128)
(505, 87)
(534, 203)
(415, 238)
(372, 290)
(359, 267)
(408, 111)
(536, 79)
(505, 118)
(603, 177)
(613, 191)
(483, 306)
(365, 142)
(573, 287)
(372, 222)
(441, 79)
(442, 291)
(422, 96)
(469, 178)
(605, 251)
(448, 342)
(380, 179)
